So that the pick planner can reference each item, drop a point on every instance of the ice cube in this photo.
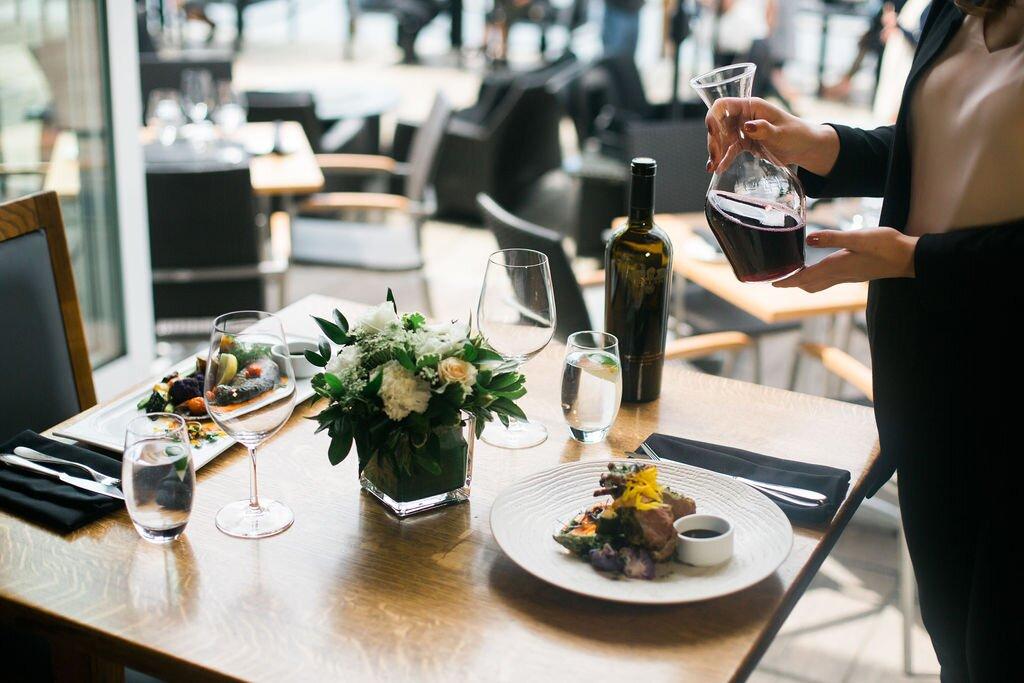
(773, 218)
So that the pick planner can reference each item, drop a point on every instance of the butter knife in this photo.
(78, 482)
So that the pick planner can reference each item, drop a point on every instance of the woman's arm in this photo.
(861, 165)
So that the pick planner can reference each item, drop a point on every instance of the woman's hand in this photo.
(734, 122)
(868, 254)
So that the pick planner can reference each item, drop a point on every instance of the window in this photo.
(55, 134)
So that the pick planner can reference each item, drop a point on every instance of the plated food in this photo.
(633, 530)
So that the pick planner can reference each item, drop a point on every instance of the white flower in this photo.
(402, 392)
(380, 318)
(439, 339)
(458, 371)
(346, 359)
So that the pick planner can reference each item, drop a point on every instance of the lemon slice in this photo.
(228, 368)
(600, 365)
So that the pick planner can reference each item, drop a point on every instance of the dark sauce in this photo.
(701, 533)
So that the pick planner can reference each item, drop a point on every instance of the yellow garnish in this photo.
(642, 491)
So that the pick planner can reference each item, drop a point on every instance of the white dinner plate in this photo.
(106, 427)
(527, 514)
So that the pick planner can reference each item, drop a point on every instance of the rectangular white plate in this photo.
(106, 427)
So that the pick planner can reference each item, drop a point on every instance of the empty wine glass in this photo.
(158, 476)
(591, 384)
(230, 113)
(164, 114)
(250, 393)
(197, 92)
(516, 314)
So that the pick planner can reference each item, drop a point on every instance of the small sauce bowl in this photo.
(301, 367)
(703, 540)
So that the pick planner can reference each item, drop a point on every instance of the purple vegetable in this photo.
(637, 563)
(184, 389)
(605, 559)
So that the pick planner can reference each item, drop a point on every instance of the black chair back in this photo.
(203, 219)
(43, 358)
(680, 147)
(423, 154)
(512, 232)
(287, 106)
(155, 72)
(525, 130)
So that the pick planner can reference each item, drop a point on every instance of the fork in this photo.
(36, 456)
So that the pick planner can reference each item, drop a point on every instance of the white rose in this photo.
(431, 344)
(380, 318)
(345, 360)
(402, 391)
(458, 371)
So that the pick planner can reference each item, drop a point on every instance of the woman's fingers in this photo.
(828, 239)
(759, 129)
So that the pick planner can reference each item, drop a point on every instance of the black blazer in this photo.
(965, 275)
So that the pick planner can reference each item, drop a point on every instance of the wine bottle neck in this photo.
(641, 203)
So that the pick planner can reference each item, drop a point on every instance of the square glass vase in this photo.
(406, 494)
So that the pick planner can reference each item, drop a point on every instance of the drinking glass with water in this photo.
(591, 384)
(158, 476)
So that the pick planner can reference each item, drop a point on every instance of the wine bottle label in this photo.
(644, 358)
(641, 279)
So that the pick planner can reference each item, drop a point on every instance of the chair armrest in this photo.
(592, 279)
(842, 365)
(701, 345)
(29, 168)
(359, 163)
(466, 129)
(340, 201)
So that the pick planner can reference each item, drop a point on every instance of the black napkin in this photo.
(830, 481)
(51, 502)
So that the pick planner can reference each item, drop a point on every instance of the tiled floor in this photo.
(847, 627)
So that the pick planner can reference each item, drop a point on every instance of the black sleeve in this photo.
(972, 269)
(861, 167)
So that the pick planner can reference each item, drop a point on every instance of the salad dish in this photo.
(632, 531)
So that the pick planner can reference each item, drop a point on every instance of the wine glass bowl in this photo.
(755, 206)
(516, 314)
(249, 388)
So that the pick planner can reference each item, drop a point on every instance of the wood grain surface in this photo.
(761, 300)
(352, 593)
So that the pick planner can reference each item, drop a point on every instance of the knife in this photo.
(85, 484)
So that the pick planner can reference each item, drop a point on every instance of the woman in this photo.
(945, 290)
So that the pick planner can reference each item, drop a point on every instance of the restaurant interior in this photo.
(366, 165)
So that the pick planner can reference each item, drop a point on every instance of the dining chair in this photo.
(44, 357)
(286, 105)
(206, 250)
(316, 239)
(512, 232)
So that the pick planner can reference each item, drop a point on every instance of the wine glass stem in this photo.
(254, 495)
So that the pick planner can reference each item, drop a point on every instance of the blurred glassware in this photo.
(164, 113)
(158, 476)
(250, 393)
(516, 314)
(198, 94)
(230, 114)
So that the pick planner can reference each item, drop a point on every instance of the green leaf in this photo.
(341, 444)
(504, 381)
(428, 464)
(513, 394)
(341, 321)
(391, 298)
(413, 321)
(403, 357)
(334, 383)
(428, 361)
(373, 386)
(486, 354)
(332, 331)
(469, 352)
(315, 358)
(504, 405)
(325, 349)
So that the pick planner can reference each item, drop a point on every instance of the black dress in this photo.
(948, 365)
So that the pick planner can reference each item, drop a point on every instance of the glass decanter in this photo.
(755, 206)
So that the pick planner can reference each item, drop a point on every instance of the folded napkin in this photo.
(830, 481)
(51, 502)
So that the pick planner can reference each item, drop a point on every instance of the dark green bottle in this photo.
(638, 284)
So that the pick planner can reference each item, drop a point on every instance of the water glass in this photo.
(591, 385)
(230, 114)
(198, 93)
(165, 114)
(158, 476)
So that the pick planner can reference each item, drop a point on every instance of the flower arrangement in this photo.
(397, 383)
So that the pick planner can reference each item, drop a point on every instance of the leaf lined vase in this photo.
(412, 398)
(420, 489)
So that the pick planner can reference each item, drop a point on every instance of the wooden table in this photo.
(767, 303)
(349, 592)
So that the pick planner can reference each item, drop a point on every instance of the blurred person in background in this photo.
(740, 24)
(900, 33)
(782, 47)
(944, 290)
(620, 27)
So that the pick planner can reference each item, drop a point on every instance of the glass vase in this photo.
(407, 493)
(755, 206)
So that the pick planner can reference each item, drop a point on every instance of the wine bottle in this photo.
(638, 282)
